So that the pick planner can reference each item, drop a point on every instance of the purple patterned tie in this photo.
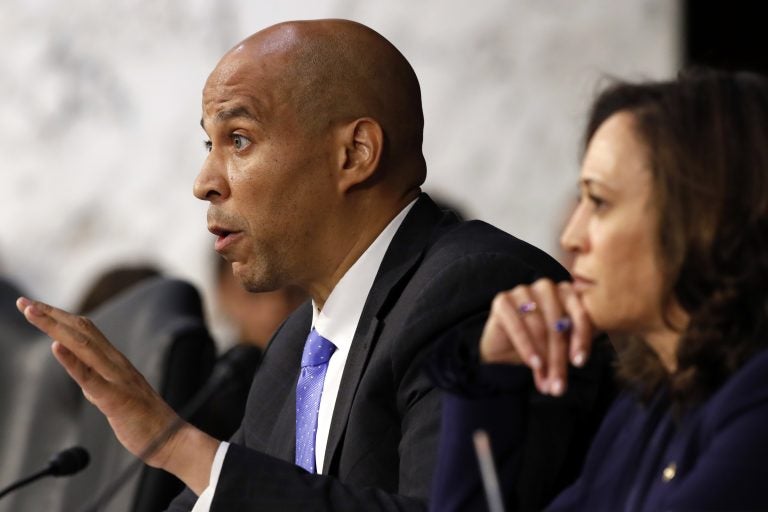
(309, 389)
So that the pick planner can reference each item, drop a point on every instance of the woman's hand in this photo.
(544, 326)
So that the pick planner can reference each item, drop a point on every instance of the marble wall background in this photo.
(100, 103)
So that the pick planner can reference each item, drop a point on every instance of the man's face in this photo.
(265, 176)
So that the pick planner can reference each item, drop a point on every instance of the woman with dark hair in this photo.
(670, 246)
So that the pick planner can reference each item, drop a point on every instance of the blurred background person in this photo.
(670, 257)
(252, 318)
(112, 282)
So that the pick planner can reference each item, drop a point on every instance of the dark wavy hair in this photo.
(707, 135)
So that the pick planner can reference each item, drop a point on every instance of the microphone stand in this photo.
(488, 471)
(25, 481)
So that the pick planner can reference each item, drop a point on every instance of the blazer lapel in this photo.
(403, 254)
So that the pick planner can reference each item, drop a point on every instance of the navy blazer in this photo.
(713, 458)
(539, 442)
(438, 275)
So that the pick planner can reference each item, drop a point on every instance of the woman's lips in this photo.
(581, 283)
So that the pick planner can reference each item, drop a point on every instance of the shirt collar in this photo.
(339, 317)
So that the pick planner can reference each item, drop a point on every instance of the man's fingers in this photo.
(77, 334)
(59, 315)
(91, 383)
(135, 411)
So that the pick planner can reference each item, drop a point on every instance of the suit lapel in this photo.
(290, 344)
(402, 256)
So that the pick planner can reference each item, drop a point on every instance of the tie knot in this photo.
(317, 350)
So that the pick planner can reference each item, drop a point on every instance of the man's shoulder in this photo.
(461, 267)
(478, 236)
(477, 242)
(438, 239)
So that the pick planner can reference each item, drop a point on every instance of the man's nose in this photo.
(210, 183)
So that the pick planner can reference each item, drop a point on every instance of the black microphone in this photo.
(66, 462)
(235, 363)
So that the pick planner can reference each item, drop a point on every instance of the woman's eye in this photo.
(240, 142)
(208, 145)
(597, 202)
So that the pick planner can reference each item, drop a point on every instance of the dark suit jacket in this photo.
(439, 274)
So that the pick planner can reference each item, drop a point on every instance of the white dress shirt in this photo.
(336, 322)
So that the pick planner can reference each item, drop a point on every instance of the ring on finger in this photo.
(563, 324)
(527, 307)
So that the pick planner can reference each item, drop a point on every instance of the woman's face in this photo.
(612, 232)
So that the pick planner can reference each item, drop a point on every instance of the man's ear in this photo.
(360, 152)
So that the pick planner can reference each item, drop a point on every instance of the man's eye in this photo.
(240, 142)
(208, 145)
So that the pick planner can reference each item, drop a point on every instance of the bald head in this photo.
(336, 71)
(302, 111)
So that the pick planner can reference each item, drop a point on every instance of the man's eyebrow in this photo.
(232, 113)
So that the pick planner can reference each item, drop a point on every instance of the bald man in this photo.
(313, 179)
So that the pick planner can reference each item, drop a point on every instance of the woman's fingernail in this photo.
(556, 388)
(578, 359)
(535, 362)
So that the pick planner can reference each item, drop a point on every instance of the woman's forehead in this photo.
(616, 154)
